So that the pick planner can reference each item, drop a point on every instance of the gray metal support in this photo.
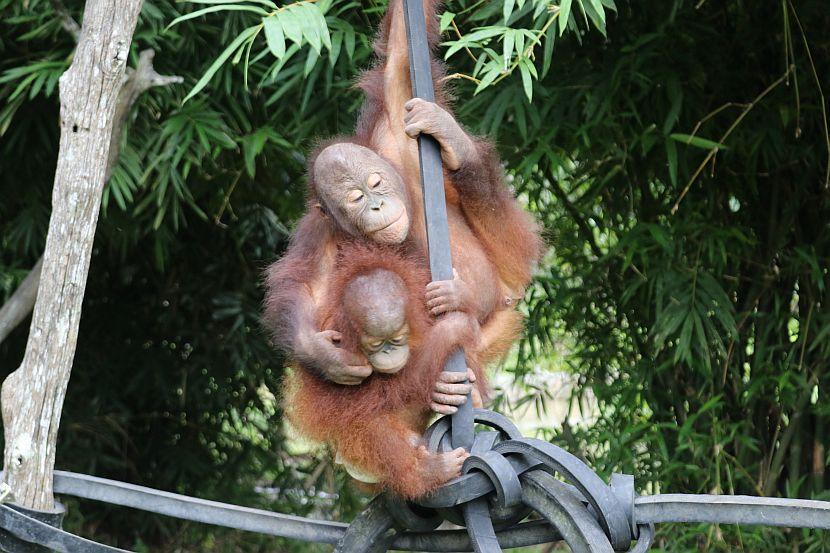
(435, 206)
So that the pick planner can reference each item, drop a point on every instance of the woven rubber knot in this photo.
(505, 480)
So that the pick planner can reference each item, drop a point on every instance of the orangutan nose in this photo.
(377, 204)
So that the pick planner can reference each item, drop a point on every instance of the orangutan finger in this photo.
(358, 371)
(436, 301)
(451, 377)
(443, 409)
(448, 399)
(471, 375)
(436, 293)
(440, 310)
(455, 389)
(413, 130)
(440, 300)
(411, 103)
(438, 284)
(346, 380)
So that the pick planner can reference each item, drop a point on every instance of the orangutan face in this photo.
(362, 192)
(377, 303)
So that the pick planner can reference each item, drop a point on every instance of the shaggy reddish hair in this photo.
(316, 404)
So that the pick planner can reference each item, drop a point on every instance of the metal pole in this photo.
(432, 184)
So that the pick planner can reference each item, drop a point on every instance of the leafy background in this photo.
(675, 151)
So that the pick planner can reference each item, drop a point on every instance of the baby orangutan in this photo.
(376, 300)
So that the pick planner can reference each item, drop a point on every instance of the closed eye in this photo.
(355, 196)
(375, 346)
(373, 181)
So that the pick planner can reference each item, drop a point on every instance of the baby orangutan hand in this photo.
(451, 391)
(449, 295)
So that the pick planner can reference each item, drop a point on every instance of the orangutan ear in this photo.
(321, 209)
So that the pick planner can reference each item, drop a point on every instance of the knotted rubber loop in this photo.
(564, 510)
(501, 474)
(645, 537)
(409, 517)
(612, 516)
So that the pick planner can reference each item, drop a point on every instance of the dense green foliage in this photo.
(676, 151)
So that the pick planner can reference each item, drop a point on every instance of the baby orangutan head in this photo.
(362, 192)
(376, 302)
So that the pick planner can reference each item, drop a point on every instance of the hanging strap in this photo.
(432, 185)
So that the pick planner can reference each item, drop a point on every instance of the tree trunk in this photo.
(32, 396)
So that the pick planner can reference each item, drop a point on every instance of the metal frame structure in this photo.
(508, 495)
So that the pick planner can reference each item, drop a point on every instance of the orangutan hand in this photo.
(451, 391)
(333, 362)
(449, 295)
(430, 118)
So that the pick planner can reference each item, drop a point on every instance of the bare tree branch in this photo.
(67, 21)
(138, 80)
(20, 304)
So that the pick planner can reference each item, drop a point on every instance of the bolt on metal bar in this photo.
(432, 184)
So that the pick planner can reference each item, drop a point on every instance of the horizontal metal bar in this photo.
(198, 510)
(732, 509)
(33, 531)
(274, 524)
(795, 513)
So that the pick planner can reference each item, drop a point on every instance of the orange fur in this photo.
(495, 244)
(376, 425)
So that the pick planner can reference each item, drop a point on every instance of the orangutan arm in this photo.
(291, 311)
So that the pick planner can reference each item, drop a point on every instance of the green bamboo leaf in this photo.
(697, 141)
(702, 341)
(483, 34)
(509, 39)
(274, 35)
(527, 80)
(683, 348)
(446, 20)
(489, 76)
(310, 62)
(507, 10)
(564, 15)
(675, 94)
(597, 5)
(212, 9)
(671, 155)
(292, 25)
(308, 25)
(336, 46)
(547, 56)
(324, 32)
(223, 57)
(349, 40)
